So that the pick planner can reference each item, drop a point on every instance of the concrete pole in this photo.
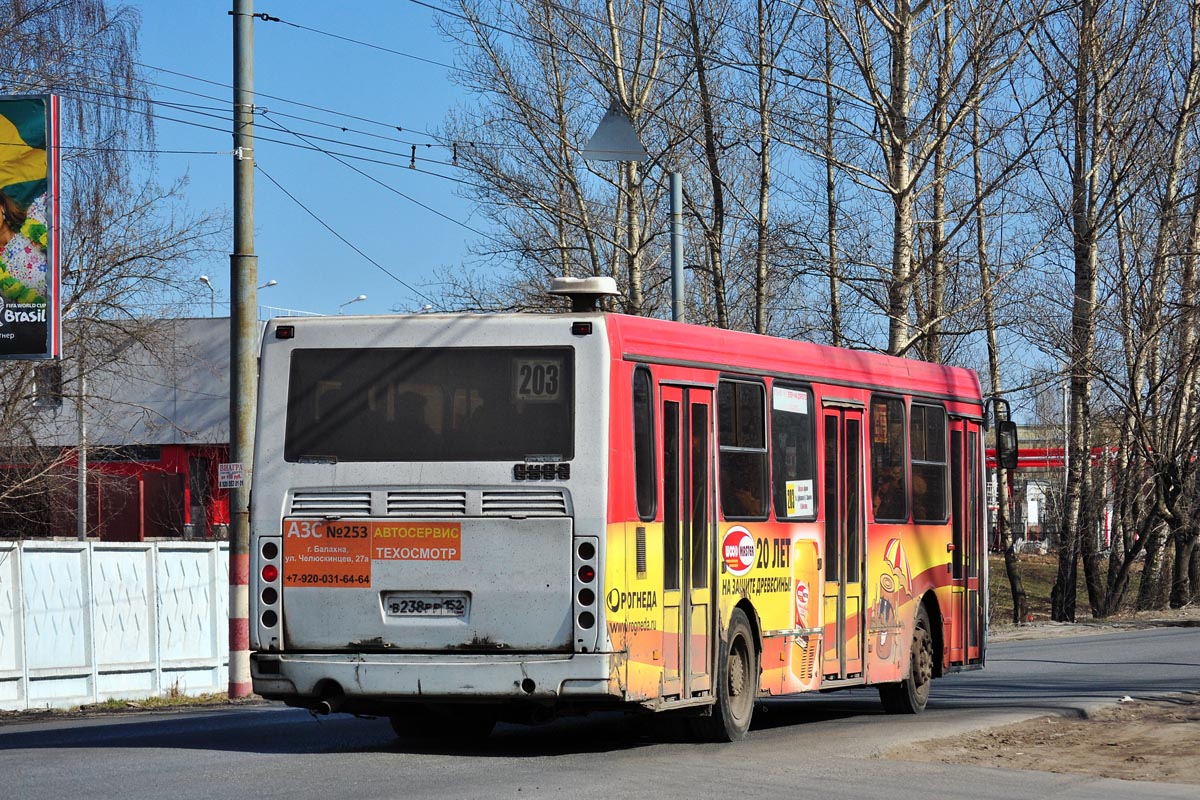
(81, 462)
(677, 285)
(243, 336)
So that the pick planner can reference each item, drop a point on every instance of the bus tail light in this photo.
(268, 594)
(586, 609)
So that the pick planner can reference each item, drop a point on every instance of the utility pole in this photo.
(677, 284)
(243, 336)
(81, 461)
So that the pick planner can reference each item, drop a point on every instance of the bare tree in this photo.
(916, 87)
(1091, 60)
(539, 94)
(126, 242)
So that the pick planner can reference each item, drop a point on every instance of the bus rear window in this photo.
(453, 404)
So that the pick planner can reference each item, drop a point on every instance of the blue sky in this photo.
(367, 91)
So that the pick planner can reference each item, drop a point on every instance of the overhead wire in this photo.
(444, 141)
(748, 69)
(93, 93)
(298, 103)
(335, 157)
(278, 127)
(343, 239)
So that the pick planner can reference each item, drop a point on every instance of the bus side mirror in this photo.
(1006, 444)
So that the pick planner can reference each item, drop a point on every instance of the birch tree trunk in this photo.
(987, 287)
(833, 257)
(763, 217)
(901, 185)
(930, 324)
(1086, 119)
(714, 228)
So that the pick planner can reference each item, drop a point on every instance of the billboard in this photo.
(30, 324)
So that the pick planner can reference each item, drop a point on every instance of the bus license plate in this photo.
(404, 604)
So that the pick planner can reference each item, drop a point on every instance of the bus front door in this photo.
(966, 567)
(687, 541)
(844, 530)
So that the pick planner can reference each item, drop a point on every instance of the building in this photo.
(156, 426)
(1037, 486)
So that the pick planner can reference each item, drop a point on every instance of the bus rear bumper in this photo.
(402, 678)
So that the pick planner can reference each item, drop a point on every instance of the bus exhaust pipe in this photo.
(330, 704)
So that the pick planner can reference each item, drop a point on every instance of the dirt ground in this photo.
(1135, 741)
(1150, 740)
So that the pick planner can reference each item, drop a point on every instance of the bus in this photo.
(458, 519)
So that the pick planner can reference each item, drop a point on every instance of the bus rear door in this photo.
(687, 540)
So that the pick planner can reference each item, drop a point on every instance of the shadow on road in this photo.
(1066, 685)
(276, 730)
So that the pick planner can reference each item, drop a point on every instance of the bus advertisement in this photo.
(464, 518)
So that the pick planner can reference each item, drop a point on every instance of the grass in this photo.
(175, 698)
(1037, 575)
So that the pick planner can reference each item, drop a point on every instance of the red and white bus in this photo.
(462, 518)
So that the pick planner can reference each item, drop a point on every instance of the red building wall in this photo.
(133, 496)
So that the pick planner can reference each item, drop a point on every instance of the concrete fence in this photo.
(83, 622)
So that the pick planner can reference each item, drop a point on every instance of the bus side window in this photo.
(888, 486)
(927, 430)
(743, 441)
(643, 443)
(793, 455)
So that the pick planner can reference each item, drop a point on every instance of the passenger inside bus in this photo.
(887, 494)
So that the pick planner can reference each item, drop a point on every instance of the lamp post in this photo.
(212, 296)
(615, 140)
(261, 308)
(358, 299)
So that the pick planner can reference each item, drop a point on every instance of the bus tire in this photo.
(737, 682)
(910, 695)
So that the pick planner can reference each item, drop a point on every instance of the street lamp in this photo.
(262, 308)
(615, 140)
(212, 296)
(360, 298)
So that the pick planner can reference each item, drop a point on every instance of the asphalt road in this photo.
(821, 746)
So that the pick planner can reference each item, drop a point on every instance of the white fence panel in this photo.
(12, 643)
(82, 622)
(58, 625)
(123, 607)
(193, 625)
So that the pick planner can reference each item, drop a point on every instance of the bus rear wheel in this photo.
(736, 687)
(911, 695)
